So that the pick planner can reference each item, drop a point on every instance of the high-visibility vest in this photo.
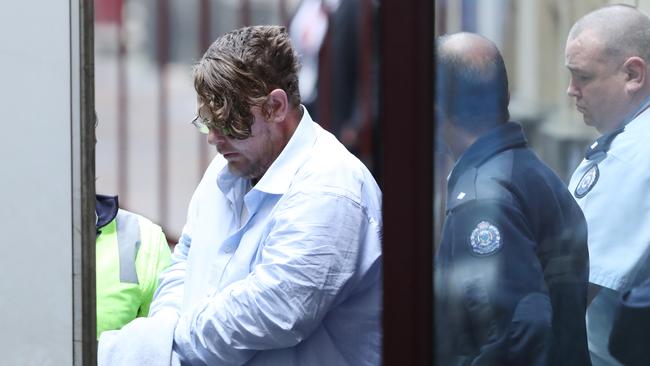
(131, 251)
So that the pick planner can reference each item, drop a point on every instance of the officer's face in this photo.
(597, 82)
(250, 157)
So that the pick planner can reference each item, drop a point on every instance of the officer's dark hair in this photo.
(471, 86)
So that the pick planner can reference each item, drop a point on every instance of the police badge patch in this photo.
(587, 182)
(485, 239)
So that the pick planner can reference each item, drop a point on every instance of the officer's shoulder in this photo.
(491, 181)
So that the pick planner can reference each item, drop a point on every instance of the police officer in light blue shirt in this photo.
(607, 54)
(512, 267)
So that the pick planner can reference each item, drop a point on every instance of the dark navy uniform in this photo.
(512, 267)
(629, 339)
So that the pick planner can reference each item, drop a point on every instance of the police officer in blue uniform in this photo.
(512, 265)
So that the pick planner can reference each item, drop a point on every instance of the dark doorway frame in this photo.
(83, 206)
(407, 38)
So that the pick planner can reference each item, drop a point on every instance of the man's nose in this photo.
(572, 91)
(214, 137)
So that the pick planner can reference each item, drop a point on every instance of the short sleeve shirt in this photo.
(614, 195)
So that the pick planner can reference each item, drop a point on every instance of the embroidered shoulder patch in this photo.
(587, 182)
(485, 239)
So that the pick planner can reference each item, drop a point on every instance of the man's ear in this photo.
(636, 73)
(277, 105)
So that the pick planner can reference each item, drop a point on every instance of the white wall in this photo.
(36, 188)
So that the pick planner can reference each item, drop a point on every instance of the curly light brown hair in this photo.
(239, 70)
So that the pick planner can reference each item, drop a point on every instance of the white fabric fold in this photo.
(144, 341)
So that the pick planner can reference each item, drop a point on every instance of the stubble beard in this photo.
(256, 169)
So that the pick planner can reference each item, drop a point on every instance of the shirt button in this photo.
(227, 249)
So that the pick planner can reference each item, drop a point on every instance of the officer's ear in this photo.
(636, 73)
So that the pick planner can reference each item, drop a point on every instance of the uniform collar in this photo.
(503, 137)
(279, 176)
(600, 147)
(106, 209)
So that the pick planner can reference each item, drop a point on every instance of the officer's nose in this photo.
(571, 90)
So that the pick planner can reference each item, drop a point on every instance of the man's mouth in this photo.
(228, 155)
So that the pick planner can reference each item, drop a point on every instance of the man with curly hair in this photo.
(279, 262)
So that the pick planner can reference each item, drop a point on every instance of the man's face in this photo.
(250, 157)
(597, 82)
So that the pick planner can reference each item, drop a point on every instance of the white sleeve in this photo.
(309, 255)
(143, 341)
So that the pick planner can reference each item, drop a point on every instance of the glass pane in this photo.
(538, 234)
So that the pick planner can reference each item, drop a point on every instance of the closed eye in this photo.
(581, 77)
